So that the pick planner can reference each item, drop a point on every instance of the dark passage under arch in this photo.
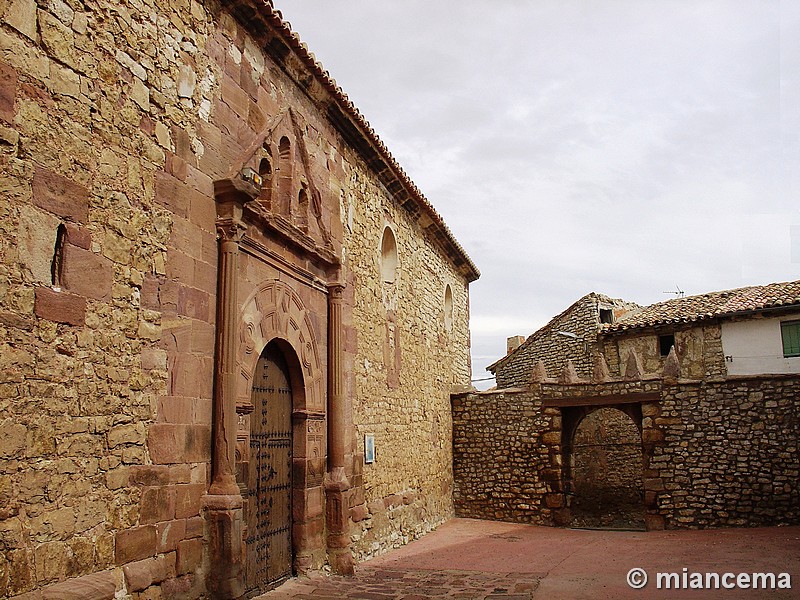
(605, 468)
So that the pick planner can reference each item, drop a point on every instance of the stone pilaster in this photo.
(223, 503)
(336, 484)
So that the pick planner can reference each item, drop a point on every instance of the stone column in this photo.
(223, 503)
(336, 484)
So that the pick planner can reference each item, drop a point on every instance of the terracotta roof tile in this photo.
(712, 305)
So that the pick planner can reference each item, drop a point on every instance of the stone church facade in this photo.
(217, 286)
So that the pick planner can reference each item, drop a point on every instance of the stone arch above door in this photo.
(274, 310)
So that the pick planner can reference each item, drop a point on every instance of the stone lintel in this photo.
(611, 399)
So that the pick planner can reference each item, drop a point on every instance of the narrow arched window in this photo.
(389, 260)
(302, 208)
(265, 171)
(448, 308)
(57, 265)
(284, 175)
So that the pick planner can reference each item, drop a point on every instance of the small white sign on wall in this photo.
(369, 448)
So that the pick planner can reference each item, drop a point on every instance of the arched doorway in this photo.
(268, 501)
(606, 472)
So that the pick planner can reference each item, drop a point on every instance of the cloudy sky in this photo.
(629, 147)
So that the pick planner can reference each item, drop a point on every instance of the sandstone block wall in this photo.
(716, 453)
(506, 457)
(405, 362)
(115, 120)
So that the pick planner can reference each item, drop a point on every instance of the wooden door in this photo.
(269, 504)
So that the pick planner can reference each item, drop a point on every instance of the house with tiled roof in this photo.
(745, 331)
(570, 335)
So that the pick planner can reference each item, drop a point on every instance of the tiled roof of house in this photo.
(711, 306)
(347, 116)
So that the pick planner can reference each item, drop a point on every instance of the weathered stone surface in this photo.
(61, 307)
(8, 90)
(714, 454)
(135, 544)
(60, 195)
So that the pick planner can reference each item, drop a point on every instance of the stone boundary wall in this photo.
(716, 453)
(506, 457)
(731, 452)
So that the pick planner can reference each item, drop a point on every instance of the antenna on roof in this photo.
(678, 292)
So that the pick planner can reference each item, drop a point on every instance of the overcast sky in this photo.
(627, 147)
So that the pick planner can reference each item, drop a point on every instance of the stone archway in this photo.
(605, 468)
(274, 316)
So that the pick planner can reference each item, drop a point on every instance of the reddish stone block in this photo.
(149, 475)
(308, 535)
(180, 474)
(179, 587)
(248, 83)
(170, 533)
(195, 527)
(60, 195)
(169, 443)
(176, 167)
(187, 375)
(203, 212)
(78, 236)
(203, 338)
(97, 586)
(157, 504)
(358, 513)
(194, 303)
(190, 555)
(180, 266)
(203, 184)
(393, 501)
(135, 544)
(175, 409)
(86, 273)
(61, 307)
(170, 193)
(149, 293)
(144, 573)
(187, 502)
(168, 296)
(234, 96)
(183, 144)
(8, 91)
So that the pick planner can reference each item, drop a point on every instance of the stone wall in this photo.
(730, 454)
(506, 457)
(115, 121)
(404, 366)
(699, 349)
(554, 349)
(716, 453)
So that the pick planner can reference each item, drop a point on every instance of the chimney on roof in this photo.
(513, 343)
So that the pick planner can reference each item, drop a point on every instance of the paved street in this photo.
(468, 559)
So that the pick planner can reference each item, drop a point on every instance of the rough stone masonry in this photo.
(121, 124)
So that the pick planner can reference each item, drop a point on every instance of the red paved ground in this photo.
(469, 559)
